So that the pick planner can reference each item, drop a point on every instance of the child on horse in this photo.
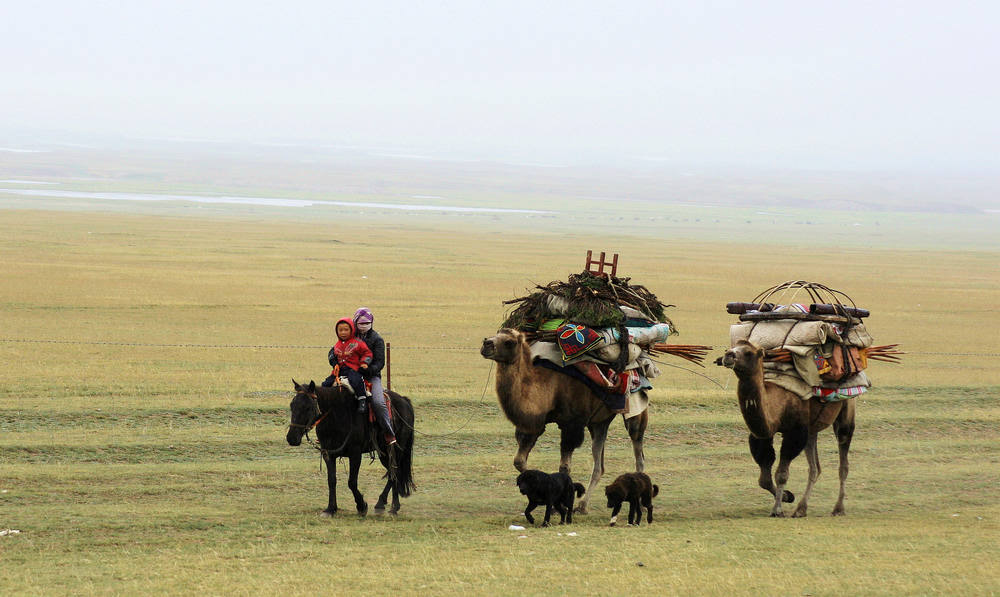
(351, 355)
(363, 320)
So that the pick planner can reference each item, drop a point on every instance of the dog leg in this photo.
(614, 514)
(527, 512)
(634, 509)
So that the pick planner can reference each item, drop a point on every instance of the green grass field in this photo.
(148, 360)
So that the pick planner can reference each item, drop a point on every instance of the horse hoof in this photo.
(839, 512)
(778, 514)
(327, 513)
(379, 508)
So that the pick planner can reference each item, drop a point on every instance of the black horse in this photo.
(342, 431)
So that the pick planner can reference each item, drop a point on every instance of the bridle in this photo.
(316, 420)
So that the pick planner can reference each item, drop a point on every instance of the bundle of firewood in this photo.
(887, 352)
(690, 352)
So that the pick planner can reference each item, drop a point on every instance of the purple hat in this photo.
(363, 315)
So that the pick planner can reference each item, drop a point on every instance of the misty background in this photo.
(902, 92)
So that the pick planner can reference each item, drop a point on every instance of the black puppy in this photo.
(636, 489)
(555, 491)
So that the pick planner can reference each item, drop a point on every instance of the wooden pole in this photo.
(388, 367)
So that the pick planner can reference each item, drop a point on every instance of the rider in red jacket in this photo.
(353, 356)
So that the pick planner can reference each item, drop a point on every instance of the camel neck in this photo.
(751, 393)
(511, 379)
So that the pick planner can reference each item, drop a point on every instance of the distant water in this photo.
(271, 201)
(15, 181)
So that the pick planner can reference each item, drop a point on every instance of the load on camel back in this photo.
(600, 330)
(819, 348)
(577, 354)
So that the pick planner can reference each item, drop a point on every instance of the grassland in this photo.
(149, 356)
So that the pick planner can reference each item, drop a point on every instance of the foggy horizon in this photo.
(853, 86)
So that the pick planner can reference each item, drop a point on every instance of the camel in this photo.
(769, 409)
(531, 397)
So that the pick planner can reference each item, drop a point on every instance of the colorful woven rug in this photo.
(575, 339)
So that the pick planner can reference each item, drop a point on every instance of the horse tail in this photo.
(404, 472)
(580, 489)
(656, 490)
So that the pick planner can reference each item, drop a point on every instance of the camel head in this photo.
(504, 347)
(744, 358)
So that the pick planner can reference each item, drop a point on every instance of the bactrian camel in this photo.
(769, 409)
(531, 397)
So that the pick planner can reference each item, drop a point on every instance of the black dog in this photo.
(636, 489)
(555, 491)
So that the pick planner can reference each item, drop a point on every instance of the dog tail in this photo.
(656, 490)
(580, 490)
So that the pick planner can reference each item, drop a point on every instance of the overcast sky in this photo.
(844, 84)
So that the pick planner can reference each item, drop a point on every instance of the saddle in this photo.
(372, 418)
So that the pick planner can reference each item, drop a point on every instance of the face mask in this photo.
(364, 327)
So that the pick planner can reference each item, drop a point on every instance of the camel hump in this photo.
(656, 490)
(580, 489)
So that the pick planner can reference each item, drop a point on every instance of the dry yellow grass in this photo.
(147, 363)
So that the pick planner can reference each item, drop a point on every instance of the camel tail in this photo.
(580, 489)
(656, 490)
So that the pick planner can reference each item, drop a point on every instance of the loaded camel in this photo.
(769, 409)
(531, 397)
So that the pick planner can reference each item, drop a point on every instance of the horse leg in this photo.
(792, 443)
(395, 498)
(636, 427)
(570, 438)
(812, 456)
(548, 514)
(331, 483)
(634, 512)
(525, 442)
(649, 509)
(598, 437)
(352, 483)
(384, 496)
(843, 427)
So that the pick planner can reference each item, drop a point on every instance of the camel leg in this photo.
(812, 456)
(762, 450)
(843, 427)
(525, 442)
(598, 436)
(636, 427)
(570, 439)
(352, 483)
(792, 443)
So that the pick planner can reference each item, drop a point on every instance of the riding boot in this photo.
(362, 405)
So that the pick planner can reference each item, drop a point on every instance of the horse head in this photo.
(305, 411)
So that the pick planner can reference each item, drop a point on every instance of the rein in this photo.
(317, 419)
